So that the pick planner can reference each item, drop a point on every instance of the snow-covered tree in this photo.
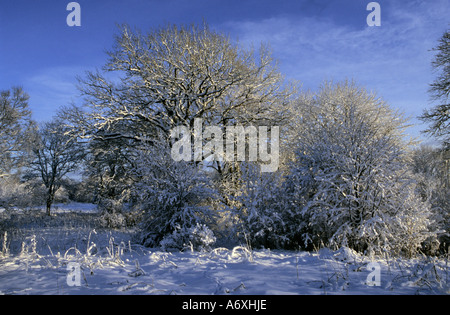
(439, 115)
(171, 76)
(349, 183)
(16, 128)
(430, 166)
(156, 81)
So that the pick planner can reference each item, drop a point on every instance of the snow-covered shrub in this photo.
(198, 237)
(112, 220)
(111, 213)
(201, 237)
(349, 183)
(173, 196)
(114, 214)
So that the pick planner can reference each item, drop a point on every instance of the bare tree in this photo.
(55, 154)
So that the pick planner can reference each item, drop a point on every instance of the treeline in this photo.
(347, 174)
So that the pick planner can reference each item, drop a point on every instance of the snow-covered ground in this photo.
(79, 258)
(64, 208)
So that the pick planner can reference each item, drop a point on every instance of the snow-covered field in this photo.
(69, 254)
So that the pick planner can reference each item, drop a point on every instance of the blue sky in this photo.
(313, 41)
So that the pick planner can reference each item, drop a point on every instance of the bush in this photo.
(113, 220)
(173, 197)
(258, 211)
(198, 237)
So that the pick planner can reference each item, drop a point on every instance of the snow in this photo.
(37, 261)
(263, 273)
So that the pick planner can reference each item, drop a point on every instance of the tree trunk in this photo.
(49, 205)
(50, 198)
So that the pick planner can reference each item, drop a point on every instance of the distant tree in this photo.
(439, 115)
(54, 155)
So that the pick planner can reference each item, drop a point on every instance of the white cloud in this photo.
(393, 59)
(407, 33)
